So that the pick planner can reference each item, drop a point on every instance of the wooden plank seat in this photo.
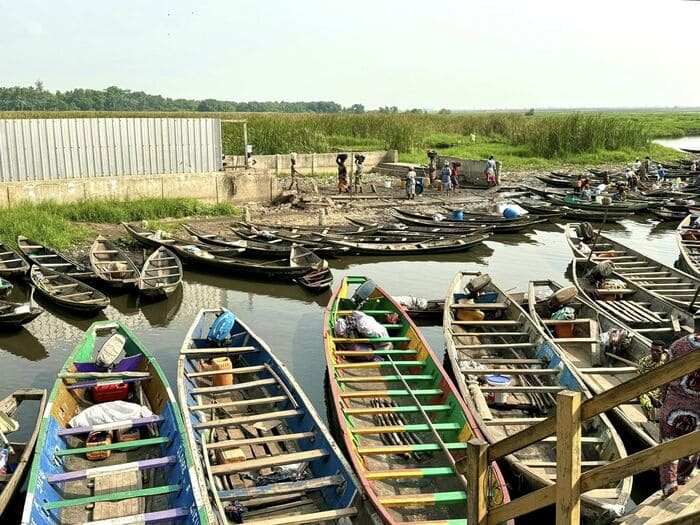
(112, 469)
(489, 334)
(479, 306)
(401, 409)
(254, 418)
(234, 443)
(122, 445)
(399, 339)
(205, 352)
(511, 371)
(550, 322)
(115, 496)
(515, 361)
(239, 370)
(215, 390)
(103, 382)
(610, 370)
(391, 393)
(522, 389)
(314, 517)
(160, 516)
(126, 423)
(418, 427)
(425, 472)
(268, 462)
(370, 353)
(11, 260)
(499, 322)
(277, 489)
(379, 364)
(407, 449)
(385, 378)
(495, 346)
(435, 498)
(240, 403)
(368, 312)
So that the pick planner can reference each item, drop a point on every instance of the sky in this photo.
(468, 54)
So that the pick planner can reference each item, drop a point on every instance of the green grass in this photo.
(59, 225)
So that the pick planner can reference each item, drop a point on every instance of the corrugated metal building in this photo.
(49, 149)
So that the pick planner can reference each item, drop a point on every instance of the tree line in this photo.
(36, 98)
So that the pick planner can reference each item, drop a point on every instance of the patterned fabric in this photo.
(680, 415)
(652, 399)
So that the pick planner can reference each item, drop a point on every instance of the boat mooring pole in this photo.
(595, 239)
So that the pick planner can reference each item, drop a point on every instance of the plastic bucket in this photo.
(457, 215)
(498, 381)
(564, 330)
(511, 213)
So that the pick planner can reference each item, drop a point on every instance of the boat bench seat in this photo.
(114, 496)
(103, 382)
(253, 418)
(385, 378)
(314, 517)
(75, 475)
(281, 488)
(122, 445)
(379, 364)
(126, 423)
(160, 516)
(435, 498)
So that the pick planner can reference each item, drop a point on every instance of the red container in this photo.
(104, 393)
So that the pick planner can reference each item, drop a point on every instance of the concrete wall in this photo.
(309, 163)
(471, 171)
(212, 187)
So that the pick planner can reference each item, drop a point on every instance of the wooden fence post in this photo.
(477, 482)
(568, 492)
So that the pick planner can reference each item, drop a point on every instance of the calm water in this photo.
(681, 142)
(289, 318)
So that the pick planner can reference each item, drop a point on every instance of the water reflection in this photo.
(23, 343)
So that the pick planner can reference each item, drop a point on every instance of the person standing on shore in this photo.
(293, 172)
(342, 173)
(454, 176)
(490, 171)
(411, 183)
(644, 170)
(359, 171)
(636, 166)
(445, 174)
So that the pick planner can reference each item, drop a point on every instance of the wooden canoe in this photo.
(488, 340)
(148, 479)
(67, 292)
(19, 460)
(431, 312)
(12, 264)
(300, 261)
(269, 237)
(558, 182)
(112, 265)
(399, 415)
(666, 214)
(256, 412)
(316, 281)
(514, 225)
(14, 315)
(409, 247)
(600, 367)
(543, 207)
(341, 230)
(51, 259)
(399, 228)
(670, 284)
(574, 202)
(161, 274)
(688, 240)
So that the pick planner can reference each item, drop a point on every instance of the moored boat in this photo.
(45, 257)
(573, 201)
(400, 416)
(161, 274)
(112, 265)
(688, 240)
(100, 461)
(246, 415)
(14, 315)
(12, 264)
(509, 226)
(316, 281)
(508, 372)
(67, 292)
(409, 247)
(17, 456)
(666, 214)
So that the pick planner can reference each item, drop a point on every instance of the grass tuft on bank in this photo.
(59, 225)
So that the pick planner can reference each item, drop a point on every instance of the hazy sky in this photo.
(470, 54)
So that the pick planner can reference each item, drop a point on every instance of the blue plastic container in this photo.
(488, 297)
(457, 215)
(511, 213)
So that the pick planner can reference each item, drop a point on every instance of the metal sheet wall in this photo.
(46, 149)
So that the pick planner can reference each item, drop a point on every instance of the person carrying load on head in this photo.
(432, 166)
(445, 174)
(342, 173)
(680, 414)
(490, 171)
(651, 401)
(359, 171)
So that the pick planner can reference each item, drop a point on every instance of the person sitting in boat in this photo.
(586, 193)
(621, 193)
(651, 401)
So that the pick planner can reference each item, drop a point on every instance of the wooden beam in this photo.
(568, 495)
(477, 472)
(523, 505)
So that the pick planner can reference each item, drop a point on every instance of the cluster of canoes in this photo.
(241, 443)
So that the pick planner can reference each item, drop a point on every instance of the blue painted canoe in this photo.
(150, 479)
(251, 422)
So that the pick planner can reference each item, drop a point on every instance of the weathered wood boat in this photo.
(323, 230)
(633, 305)
(399, 228)
(243, 428)
(400, 416)
(269, 237)
(161, 274)
(407, 247)
(558, 182)
(541, 207)
(316, 281)
(18, 459)
(670, 284)
(666, 214)
(690, 150)
(688, 240)
(13, 315)
(148, 475)
(5, 286)
(508, 372)
(420, 309)
(46, 257)
(515, 225)
(542, 192)
(66, 291)
(112, 265)
(574, 202)
(12, 264)
(301, 261)
(601, 366)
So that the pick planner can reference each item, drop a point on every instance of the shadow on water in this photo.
(23, 343)
(158, 313)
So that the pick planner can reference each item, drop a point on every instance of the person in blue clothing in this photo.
(660, 173)
(445, 174)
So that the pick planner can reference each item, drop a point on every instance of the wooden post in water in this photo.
(477, 482)
(568, 492)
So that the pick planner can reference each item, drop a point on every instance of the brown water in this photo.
(289, 318)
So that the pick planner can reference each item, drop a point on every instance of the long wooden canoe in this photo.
(18, 460)
(112, 265)
(600, 366)
(511, 226)
(12, 264)
(161, 274)
(408, 247)
(574, 202)
(150, 479)
(255, 411)
(67, 292)
(46, 257)
(399, 228)
(400, 416)
(688, 240)
(509, 373)
(13, 315)
(670, 284)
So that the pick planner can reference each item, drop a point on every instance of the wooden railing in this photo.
(571, 482)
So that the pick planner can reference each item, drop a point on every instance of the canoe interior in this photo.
(583, 348)
(263, 418)
(51, 259)
(17, 314)
(66, 291)
(64, 483)
(386, 396)
(506, 342)
(161, 273)
(688, 239)
(112, 264)
(11, 263)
